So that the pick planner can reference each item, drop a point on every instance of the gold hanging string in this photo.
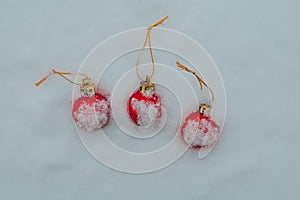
(201, 82)
(148, 41)
(62, 74)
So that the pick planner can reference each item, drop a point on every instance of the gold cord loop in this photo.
(87, 87)
(201, 82)
(148, 41)
(61, 74)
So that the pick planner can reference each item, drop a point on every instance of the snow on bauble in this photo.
(144, 108)
(91, 113)
(199, 130)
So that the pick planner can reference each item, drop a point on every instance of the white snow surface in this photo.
(254, 43)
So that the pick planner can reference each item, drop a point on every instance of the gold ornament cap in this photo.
(204, 109)
(147, 87)
(87, 87)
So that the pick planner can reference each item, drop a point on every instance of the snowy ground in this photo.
(254, 43)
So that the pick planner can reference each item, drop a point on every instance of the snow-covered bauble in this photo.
(144, 105)
(92, 110)
(199, 129)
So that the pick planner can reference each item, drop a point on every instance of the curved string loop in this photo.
(61, 74)
(201, 82)
(148, 41)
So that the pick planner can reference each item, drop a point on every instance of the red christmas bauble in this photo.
(144, 109)
(91, 113)
(199, 130)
